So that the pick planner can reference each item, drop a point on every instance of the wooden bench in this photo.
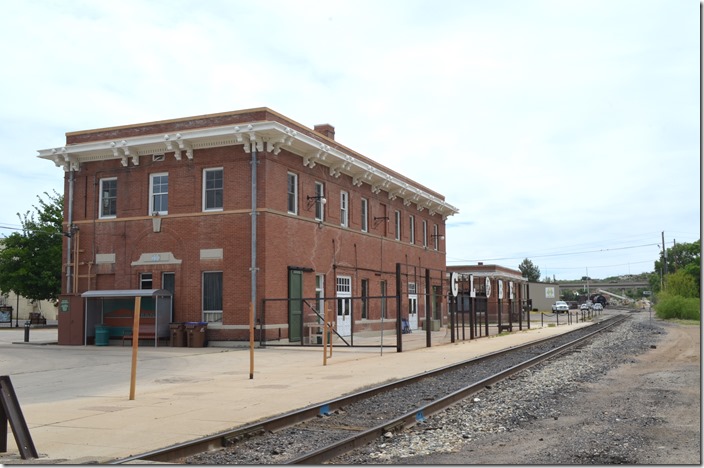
(36, 318)
(147, 332)
(503, 328)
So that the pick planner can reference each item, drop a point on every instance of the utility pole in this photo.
(664, 254)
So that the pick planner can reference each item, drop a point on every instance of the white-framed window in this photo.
(344, 209)
(425, 233)
(319, 204)
(412, 229)
(364, 210)
(108, 198)
(436, 237)
(212, 296)
(146, 281)
(159, 193)
(320, 294)
(292, 191)
(213, 189)
(397, 223)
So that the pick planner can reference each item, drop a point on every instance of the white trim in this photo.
(344, 209)
(100, 198)
(270, 136)
(204, 190)
(318, 202)
(397, 225)
(152, 211)
(364, 210)
(412, 229)
(211, 254)
(294, 194)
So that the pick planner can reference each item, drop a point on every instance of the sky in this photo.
(565, 132)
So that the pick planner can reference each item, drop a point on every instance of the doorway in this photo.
(295, 305)
(344, 305)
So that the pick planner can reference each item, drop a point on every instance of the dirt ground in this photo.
(645, 412)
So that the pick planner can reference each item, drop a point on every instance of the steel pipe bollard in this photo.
(26, 331)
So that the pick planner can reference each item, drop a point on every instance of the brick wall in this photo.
(283, 239)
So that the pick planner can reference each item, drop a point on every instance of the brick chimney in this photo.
(326, 130)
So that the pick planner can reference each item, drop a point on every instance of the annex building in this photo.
(242, 209)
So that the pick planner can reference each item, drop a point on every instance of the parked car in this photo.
(584, 307)
(598, 307)
(560, 306)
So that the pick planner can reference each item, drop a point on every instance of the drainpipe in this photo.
(69, 271)
(253, 268)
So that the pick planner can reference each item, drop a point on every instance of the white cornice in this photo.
(273, 135)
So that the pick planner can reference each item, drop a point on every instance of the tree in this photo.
(30, 261)
(530, 271)
(682, 284)
(685, 256)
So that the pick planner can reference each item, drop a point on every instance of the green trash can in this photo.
(102, 335)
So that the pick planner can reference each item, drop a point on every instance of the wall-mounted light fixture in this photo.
(316, 198)
(378, 219)
(438, 236)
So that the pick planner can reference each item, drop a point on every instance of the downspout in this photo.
(69, 272)
(254, 230)
(253, 267)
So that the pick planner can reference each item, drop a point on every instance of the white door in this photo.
(412, 307)
(344, 306)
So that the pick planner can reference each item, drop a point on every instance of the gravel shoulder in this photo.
(631, 397)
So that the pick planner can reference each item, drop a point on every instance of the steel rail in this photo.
(224, 438)
(419, 414)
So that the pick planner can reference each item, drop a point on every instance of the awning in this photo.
(128, 293)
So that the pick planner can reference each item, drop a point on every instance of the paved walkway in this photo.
(75, 399)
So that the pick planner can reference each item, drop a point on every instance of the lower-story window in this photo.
(212, 296)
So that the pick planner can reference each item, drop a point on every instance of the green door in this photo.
(295, 306)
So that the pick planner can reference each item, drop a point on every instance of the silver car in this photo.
(560, 306)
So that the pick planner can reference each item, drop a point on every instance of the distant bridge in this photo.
(604, 285)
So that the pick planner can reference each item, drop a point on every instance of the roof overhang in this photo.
(112, 293)
(271, 136)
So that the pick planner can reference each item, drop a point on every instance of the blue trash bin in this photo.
(102, 335)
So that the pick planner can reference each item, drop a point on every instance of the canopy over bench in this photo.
(115, 308)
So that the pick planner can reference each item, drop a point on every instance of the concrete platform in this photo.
(75, 399)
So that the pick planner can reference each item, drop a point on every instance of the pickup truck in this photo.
(560, 306)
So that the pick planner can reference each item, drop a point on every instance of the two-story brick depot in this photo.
(240, 210)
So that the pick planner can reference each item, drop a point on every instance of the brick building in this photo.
(499, 289)
(171, 204)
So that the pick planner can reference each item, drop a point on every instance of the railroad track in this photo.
(320, 432)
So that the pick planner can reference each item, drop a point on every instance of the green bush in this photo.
(670, 306)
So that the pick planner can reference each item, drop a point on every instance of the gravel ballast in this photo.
(548, 414)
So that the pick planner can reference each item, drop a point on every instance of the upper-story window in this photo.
(364, 210)
(412, 229)
(344, 209)
(397, 220)
(213, 187)
(159, 194)
(292, 193)
(108, 198)
(319, 201)
(425, 233)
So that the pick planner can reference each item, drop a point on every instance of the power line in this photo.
(555, 255)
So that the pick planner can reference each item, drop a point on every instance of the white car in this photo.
(598, 306)
(560, 306)
(584, 306)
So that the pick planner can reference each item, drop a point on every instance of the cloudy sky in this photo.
(566, 132)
